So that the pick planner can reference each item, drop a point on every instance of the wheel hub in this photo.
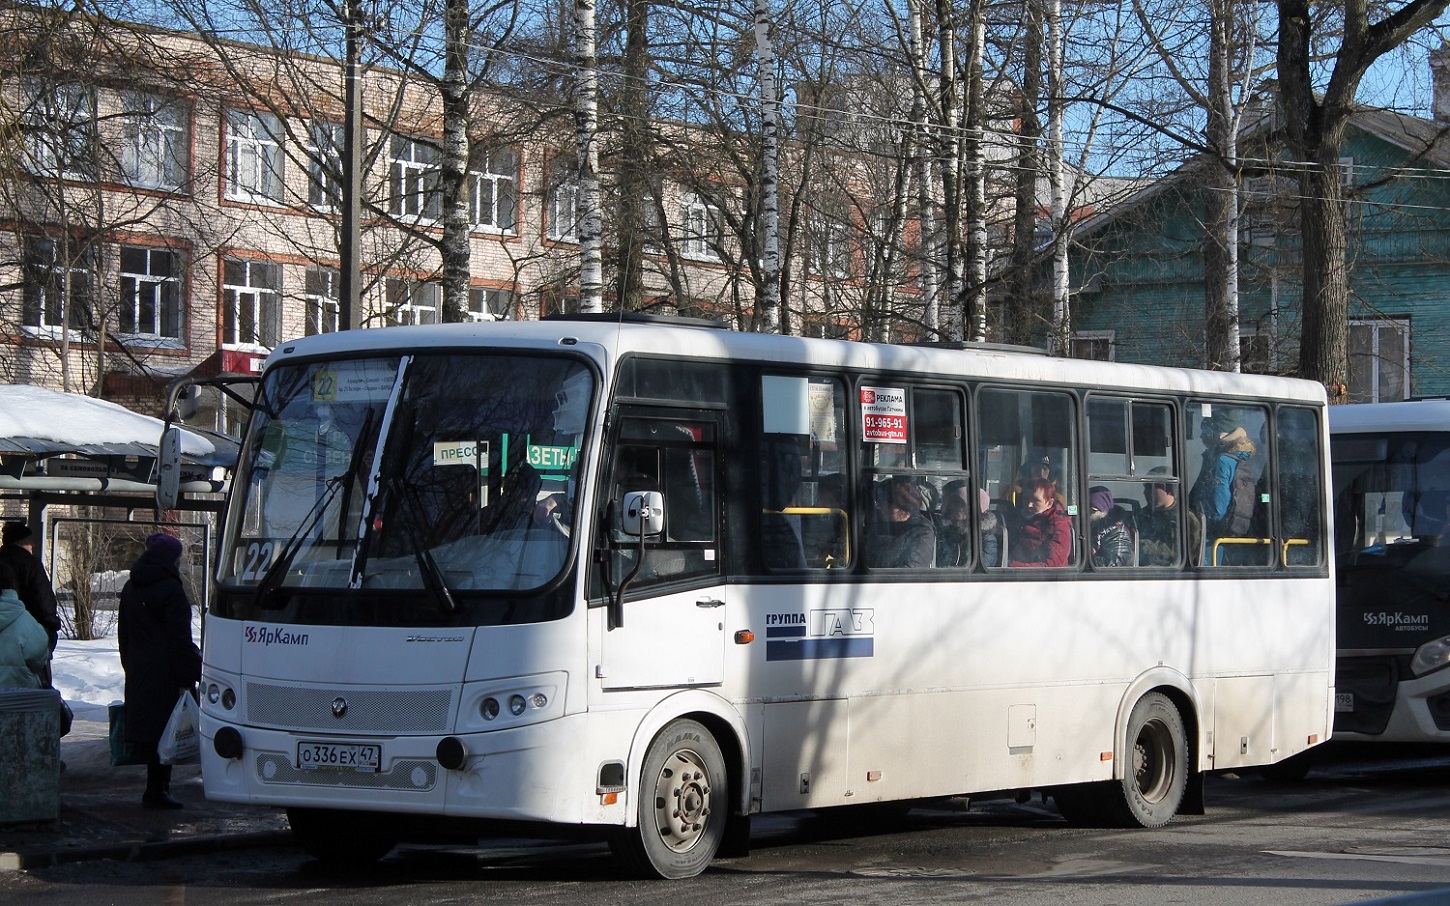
(682, 800)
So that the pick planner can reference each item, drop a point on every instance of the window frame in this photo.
(414, 179)
(255, 167)
(156, 153)
(165, 289)
(502, 215)
(265, 303)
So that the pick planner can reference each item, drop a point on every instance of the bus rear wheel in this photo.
(343, 839)
(1154, 780)
(683, 804)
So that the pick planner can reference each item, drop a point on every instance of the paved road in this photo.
(1355, 830)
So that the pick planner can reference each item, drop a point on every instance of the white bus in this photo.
(1391, 468)
(650, 580)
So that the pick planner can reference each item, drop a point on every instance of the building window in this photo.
(702, 233)
(60, 128)
(1095, 345)
(252, 313)
(493, 192)
(413, 180)
(59, 286)
(324, 165)
(1256, 351)
(1379, 360)
(156, 150)
(150, 302)
(490, 304)
(254, 157)
(324, 300)
(832, 233)
(564, 210)
(412, 302)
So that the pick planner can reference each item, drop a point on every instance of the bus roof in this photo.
(606, 341)
(1412, 415)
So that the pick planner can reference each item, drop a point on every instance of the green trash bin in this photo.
(29, 755)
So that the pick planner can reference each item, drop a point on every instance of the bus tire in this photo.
(1156, 774)
(683, 805)
(343, 839)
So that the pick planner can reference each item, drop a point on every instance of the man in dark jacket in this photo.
(157, 654)
(32, 584)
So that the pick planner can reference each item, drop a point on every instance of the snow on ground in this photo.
(89, 676)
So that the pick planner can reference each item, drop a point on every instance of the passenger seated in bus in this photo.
(1045, 538)
(1158, 525)
(902, 537)
(1113, 534)
(953, 526)
(953, 531)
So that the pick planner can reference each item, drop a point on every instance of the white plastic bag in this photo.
(179, 742)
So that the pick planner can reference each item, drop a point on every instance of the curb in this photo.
(28, 859)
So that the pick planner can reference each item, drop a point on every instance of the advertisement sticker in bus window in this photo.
(351, 382)
(883, 415)
(823, 415)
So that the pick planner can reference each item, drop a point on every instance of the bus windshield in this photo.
(1392, 496)
(447, 473)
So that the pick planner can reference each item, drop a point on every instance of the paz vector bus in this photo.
(648, 578)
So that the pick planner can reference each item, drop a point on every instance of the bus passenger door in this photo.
(673, 613)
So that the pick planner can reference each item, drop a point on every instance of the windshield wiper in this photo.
(273, 576)
(433, 577)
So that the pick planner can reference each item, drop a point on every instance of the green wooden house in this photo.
(1137, 270)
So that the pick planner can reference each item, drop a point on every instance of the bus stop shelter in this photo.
(67, 449)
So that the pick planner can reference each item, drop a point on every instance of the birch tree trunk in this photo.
(586, 125)
(974, 307)
(948, 100)
(1221, 201)
(453, 176)
(1061, 339)
(770, 177)
(925, 183)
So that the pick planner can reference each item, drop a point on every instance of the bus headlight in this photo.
(1431, 656)
(512, 702)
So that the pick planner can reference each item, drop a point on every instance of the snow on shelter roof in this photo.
(35, 421)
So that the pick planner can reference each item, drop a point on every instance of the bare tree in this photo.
(1315, 118)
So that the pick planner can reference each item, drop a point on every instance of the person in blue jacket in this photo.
(24, 646)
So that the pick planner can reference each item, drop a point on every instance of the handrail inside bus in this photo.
(823, 511)
(1219, 542)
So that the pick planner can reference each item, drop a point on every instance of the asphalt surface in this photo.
(101, 815)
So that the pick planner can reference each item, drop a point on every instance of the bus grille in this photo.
(1374, 682)
(368, 710)
(415, 775)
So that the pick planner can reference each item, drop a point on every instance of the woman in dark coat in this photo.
(157, 655)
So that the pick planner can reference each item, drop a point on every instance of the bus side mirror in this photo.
(644, 513)
(168, 469)
(188, 402)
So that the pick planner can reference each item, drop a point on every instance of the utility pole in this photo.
(350, 290)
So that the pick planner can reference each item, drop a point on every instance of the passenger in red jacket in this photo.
(1045, 538)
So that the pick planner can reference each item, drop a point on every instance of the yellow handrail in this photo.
(1218, 542)
(823, 511)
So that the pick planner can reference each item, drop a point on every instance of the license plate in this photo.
(330, 756)
(1343, 702)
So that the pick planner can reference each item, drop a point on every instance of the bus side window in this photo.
(1225, 490)
(1028, 453)
(1298, 493)
(805, 504)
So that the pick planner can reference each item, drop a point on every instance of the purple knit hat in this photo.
(1101, 499)
(168, 547)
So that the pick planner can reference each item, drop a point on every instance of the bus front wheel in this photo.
(343, 839)
(683, 804)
